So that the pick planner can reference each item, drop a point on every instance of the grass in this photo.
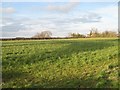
(66, 63)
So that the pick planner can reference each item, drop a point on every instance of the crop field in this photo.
(61, 63)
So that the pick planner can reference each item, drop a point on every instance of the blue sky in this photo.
(24, 19)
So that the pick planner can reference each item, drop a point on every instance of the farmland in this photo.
(70, 63)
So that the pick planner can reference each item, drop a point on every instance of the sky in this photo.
(25, 19)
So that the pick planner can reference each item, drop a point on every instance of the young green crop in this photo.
(70, 63)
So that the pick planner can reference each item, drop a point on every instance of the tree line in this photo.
(92, 34)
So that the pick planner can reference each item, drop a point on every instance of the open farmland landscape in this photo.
(61, 63)
(57, 44)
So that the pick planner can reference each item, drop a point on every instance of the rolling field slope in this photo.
(69, 63)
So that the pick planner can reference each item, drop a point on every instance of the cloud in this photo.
(7, 21)
(77, 17)
(8, 10)
(87, 18)
(60, 8)
(109, 11)
(59, 0)
(54, 23)
(11, 24)
(110, 17)
(61, 24)
(13, 27)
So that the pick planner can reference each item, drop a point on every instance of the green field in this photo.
(69, 63)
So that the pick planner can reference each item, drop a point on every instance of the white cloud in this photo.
(62, 8)
(61, 24)
(70, 4)
(59, 0)
(109, 11)
(110, 17)
(8, 10)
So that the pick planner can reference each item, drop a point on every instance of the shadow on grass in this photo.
(74, 47)
(12, 75)
(76, 82)
(54, 55)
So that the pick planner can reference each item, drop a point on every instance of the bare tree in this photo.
(94, 33)
(109, 34)
(44, 34)
(76, 35)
